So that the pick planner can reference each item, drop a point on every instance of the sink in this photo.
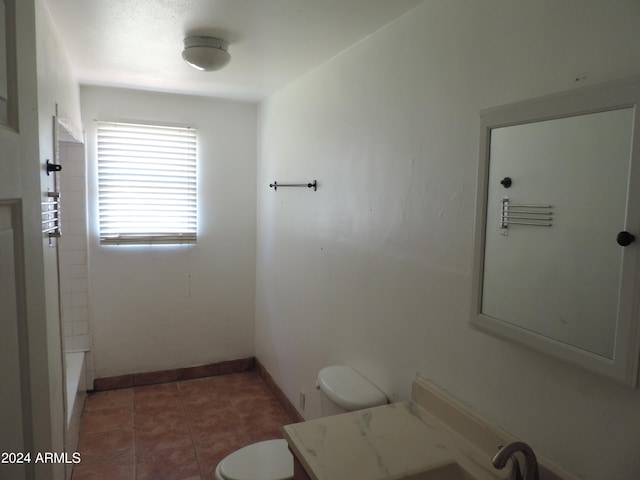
(450, 471)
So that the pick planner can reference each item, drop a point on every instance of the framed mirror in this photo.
(557, 229)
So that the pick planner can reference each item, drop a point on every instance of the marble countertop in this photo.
(384, 443)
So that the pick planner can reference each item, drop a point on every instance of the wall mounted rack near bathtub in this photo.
(276, 185)
(51, 215)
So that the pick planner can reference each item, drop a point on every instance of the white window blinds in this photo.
(147, 184)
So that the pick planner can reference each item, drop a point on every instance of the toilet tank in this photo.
(345, 390)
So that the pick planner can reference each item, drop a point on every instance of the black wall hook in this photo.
(53, 167)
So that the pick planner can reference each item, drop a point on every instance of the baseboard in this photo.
(210, 370)
(174, 375)
(277, 391)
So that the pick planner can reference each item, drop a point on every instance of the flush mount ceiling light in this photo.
(205, 53)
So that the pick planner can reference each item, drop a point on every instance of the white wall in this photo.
(155, 308)
(56, 85)
(374, 269)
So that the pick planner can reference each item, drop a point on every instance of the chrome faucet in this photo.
(530, 462)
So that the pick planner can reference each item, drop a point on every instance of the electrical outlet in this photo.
(302, 399)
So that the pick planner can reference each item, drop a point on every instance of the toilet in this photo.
(342, 390)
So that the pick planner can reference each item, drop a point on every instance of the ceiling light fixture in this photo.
(205, 53)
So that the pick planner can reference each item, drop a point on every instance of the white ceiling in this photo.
(138, 43)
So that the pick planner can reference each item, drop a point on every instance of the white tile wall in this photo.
(73, 253)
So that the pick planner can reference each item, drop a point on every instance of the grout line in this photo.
(188, 421)
(135, 453)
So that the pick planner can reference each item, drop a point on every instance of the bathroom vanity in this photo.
(395, 441)
(430, 437)
(299, 473)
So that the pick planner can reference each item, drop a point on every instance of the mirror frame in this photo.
(623, 367)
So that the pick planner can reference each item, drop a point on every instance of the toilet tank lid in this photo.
(348, 389)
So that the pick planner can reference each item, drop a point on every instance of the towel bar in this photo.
(313, 185)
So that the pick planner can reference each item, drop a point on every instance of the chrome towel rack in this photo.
(313, 185)
(51, 215)
(525, 214)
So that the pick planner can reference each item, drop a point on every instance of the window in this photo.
(146, 184)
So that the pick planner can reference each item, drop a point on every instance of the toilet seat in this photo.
(268, 460)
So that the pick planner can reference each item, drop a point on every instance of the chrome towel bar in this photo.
(51, 215)
(524, 214)
(313, 185)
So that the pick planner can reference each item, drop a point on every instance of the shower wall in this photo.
(73, 253)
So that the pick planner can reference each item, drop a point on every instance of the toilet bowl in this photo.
(268, 460)
(343, 390)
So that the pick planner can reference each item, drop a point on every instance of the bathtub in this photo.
(76, 392)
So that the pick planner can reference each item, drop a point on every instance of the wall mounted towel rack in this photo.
(524, 214)
(313, 185)
(51, 215)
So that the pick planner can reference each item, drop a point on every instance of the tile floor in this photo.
(175, 431)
